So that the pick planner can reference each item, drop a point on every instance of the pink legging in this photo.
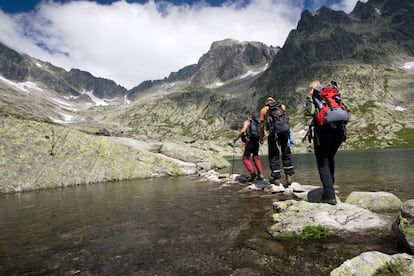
(249, 166)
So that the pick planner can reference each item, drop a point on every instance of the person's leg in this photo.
(256, 159)
(274, 155)
(322, 160)
(286, 157)
(337, 136)
(246, 157)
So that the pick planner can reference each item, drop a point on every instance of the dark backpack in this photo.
(277, 121)
(329, 106)
(252, 132)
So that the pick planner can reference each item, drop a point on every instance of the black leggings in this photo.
(326, 143)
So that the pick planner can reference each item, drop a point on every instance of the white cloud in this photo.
(345, 5)
(130, 43)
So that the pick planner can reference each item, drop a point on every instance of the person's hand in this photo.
(234, 141)
(261, 140)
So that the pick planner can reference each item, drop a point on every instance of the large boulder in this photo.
(375, 201)
(403, 226)
(291, 217)
(368, 263)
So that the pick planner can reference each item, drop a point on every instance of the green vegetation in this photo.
(210, 119)
(187, 131)
(407, 228)
(386, 85)
(308, 233)
(366, 56)
(313, 233)
(269, 214)
(366, 106)
(393, 268)
(406, 137)
(228, 134)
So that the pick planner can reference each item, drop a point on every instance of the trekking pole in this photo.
(232, 166)
(309, 132)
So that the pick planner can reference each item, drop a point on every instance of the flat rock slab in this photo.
(291, 216)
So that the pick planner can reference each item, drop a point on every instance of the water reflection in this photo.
(369, 170)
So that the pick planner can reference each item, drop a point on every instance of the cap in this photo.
(270, 100)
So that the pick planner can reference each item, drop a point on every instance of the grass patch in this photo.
(406, 138)
(269, 214)
(366, 106)
(313, 233)
(393, 268)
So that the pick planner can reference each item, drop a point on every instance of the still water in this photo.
(181, 226)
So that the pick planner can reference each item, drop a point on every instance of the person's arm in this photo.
(310, 107)
(263, 113)
(242, 131)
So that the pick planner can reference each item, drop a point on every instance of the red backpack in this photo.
(329, 106)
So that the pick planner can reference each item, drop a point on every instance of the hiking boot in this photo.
(260, 177)
(252, 177)
(288, 181)
(275, 181)
(329, 201)
(276, 188)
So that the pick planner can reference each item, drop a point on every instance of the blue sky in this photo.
(131, 41)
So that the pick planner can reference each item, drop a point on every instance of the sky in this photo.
(130, 41)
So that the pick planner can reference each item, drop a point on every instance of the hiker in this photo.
(326, 140)
(277, 142)
(250, 135)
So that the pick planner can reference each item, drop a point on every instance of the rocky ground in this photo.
(297, 208)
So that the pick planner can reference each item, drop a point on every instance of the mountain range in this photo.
(368, 52)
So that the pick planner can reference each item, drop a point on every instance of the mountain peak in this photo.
(229, 58)
(322, 18)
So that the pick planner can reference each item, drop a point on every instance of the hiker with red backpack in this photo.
(274, 116)
(250, 136)
(330, 117)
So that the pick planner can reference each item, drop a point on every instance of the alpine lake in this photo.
(184, 226)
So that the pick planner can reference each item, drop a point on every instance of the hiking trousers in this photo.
(327, 141)
(251, 147)
(274, 155)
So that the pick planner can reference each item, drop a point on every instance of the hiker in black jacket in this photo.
(276, 141)
(326, 140)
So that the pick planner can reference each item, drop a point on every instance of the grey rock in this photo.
(375, 201)
(367, 263)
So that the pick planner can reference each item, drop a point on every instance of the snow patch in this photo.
(66, 118)
(96, 100)
(254, 73)
(61, 102)
(250, 74)
(408, 65)
(378, 11)
(126, 99)
(23, 86)
(38, 65)
(399, 108)
(71, 98)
